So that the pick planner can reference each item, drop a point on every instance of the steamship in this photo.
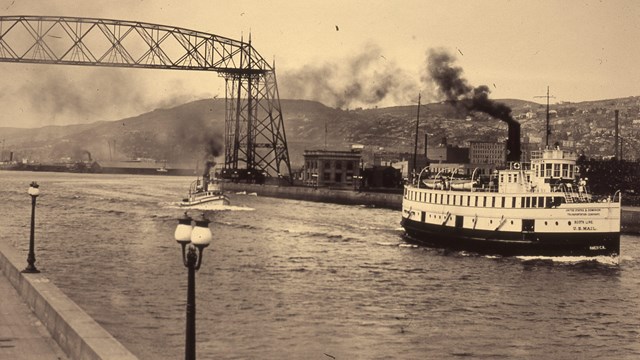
(539, 208)
(205, 191)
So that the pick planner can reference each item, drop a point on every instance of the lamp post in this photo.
(34, 191)
(192, 238)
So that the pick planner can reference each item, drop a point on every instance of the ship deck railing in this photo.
(571, 194)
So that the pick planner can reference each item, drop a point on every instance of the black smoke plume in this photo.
(213, 146)
(449, 82)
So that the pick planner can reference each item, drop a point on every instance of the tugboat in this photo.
(206, 191)
(541, 208)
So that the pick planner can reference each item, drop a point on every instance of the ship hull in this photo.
(513, 243)
(208, 200)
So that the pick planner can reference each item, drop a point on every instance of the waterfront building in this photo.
(332, 168)
(487, 152)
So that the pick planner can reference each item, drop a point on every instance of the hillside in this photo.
(193, 130)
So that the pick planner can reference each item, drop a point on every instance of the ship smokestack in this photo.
(457, 91)
(206, 175)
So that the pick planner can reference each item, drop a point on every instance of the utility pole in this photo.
(617, 152)
(548, 129)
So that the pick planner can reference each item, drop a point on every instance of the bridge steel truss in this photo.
(254, 128)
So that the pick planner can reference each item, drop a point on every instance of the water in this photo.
(288, 279)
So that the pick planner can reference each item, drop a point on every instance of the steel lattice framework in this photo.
(254, 128)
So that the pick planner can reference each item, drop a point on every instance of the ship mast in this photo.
(548, 129)
(415, 145)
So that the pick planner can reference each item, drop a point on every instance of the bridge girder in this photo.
(253, 120)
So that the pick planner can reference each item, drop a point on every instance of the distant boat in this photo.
(201, 192)
(205, 191)
(163, 168)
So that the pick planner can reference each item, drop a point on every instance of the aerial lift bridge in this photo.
(255, 140)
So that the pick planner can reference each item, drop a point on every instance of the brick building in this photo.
(331, 168)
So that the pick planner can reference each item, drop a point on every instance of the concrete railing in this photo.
(77, 334)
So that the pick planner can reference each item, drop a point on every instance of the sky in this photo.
(582, 50)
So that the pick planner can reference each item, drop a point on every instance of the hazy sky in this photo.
(583, 50)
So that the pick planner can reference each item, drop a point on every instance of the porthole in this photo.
(569, 222)
(545, 223)
(556, 223)
(490, 221)
(511, 222)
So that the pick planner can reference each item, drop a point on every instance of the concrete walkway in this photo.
(31, 306)
(22, 335)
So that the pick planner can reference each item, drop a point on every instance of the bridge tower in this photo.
(255, 140)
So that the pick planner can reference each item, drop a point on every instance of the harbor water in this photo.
(288, 279)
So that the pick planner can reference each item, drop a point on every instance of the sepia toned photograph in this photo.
(319, 179)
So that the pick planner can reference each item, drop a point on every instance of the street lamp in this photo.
(196, 237)
(34, 191)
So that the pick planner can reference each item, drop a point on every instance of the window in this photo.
(349, 165)
(503, 201)
(339, 165)
(556, 170)
(327, 165)
(548, 167)
(565, 170)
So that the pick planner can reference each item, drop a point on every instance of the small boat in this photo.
(206, 191)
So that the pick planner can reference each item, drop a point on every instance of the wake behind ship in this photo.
(542, 208)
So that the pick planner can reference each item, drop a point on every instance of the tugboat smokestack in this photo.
(206, 175)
